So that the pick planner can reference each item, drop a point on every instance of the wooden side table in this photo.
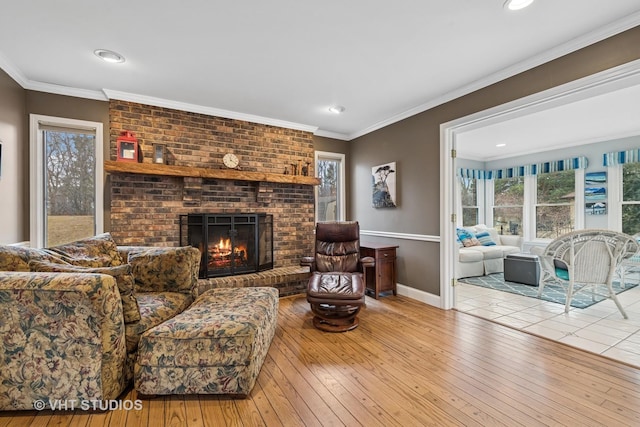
(383, 277)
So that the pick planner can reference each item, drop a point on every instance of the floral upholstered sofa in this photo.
(71, 316)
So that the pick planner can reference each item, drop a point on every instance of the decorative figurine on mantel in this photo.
(305, 169)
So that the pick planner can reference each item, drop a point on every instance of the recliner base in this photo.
(335, 318)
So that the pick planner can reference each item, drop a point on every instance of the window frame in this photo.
(492, 205)
(37, 175)
(578, 204)
(480, 200)
(341, 199)
(616, 174)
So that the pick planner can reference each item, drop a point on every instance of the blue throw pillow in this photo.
(467, 238)
(561, 269)
(562, 273)
(485, 239)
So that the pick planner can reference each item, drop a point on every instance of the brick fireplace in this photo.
(146, 209)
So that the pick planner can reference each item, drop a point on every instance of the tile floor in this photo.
(600, 328)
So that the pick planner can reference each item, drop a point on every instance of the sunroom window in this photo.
(555, 207)
(631, 198)
(508, 202)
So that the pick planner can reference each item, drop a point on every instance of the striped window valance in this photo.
(621, 157)
(533, 169)
(558, 166)
(473, 173)
(509, 172)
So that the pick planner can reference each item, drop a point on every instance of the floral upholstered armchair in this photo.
(71, 316)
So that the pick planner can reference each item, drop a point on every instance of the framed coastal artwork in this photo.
(383, 178)
(595, 193)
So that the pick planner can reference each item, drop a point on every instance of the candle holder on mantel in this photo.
(158, 154)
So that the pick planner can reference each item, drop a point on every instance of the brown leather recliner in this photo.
(336, 289)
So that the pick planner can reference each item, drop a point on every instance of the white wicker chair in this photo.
(630, 265)
(591, 258)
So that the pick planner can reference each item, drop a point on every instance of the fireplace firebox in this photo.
(229, 243)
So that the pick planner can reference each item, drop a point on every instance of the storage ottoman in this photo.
(522, 268)
(216, 346)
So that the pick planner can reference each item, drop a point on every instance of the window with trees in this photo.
(330, 194)
(469, 200)
(66, 180)
(555, 204)
(508, 203)
(631, 198)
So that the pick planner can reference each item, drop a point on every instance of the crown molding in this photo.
(194, 108)
(577, 43)
(334, 135)
(12, 71)
(27, 84)
(66, 90)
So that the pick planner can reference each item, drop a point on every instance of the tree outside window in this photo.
(328, 193)
(69, 186)
(631, 198)
(555, 208)
(508, 196)
(469, 199)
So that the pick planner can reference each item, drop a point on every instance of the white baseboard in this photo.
(418, 295)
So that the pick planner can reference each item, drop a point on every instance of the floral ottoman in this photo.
(216, 346)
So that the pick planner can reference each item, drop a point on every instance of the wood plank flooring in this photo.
(407, 364)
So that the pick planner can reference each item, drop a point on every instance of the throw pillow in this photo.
(467, 238)
(16, 258)
(96, 251)
(122, 274)
(561, 269)
(485, 239)
(165, 269)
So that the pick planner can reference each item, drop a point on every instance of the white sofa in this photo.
(482, 260)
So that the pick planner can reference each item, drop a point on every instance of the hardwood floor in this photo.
(407, 364)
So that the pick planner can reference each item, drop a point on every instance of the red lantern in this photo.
(127, 147)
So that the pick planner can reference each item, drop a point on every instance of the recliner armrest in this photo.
(368, 262)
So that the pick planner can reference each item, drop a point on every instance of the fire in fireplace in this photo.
(229, 243)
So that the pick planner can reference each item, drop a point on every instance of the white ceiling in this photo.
(596, 118)
(284, 62)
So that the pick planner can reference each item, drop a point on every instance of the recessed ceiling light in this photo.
(337, 109)
(501, 145)
(517, 4)
(109, 55)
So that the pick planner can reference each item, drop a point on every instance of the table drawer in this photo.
(385, 254)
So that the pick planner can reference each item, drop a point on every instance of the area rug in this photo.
(551, 292)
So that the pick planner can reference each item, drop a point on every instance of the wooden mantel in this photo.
(239, 175)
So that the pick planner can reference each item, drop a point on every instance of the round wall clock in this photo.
(230, 160)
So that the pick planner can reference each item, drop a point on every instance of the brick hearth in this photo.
(145, 209)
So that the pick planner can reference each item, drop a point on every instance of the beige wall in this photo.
(14, 214)
(414, 144)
